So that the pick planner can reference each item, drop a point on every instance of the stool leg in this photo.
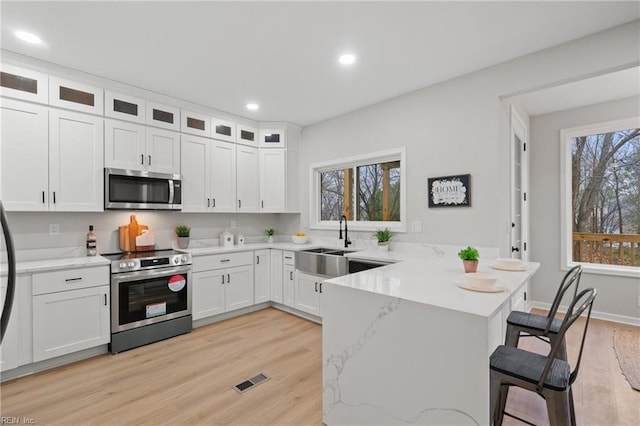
(572, 408)
(494, 396)
(558, 407)
(512, 336)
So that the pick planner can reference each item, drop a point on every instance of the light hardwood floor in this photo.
(187, 380)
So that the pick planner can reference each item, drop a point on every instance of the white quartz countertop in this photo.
(40, 260)
(432, 280)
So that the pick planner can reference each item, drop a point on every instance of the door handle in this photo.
(42, 197)
(316, 290)
(208, 202)
(142, 159)
(291, 275)
(320, 287)
(229, 278)
(213, 200)
(222, 278)
(149, 160)
(105, 299)
(258, 262)
(54, 197)
(239, 204)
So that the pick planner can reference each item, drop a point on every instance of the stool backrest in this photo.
(570, 279)
(580, 303)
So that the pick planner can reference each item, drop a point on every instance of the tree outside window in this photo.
(605, 183)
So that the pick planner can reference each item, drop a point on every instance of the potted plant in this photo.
(383, 236)
(182, 232)
(270, 232)
(469, 258)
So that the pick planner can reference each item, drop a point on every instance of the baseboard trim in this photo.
(623, 319)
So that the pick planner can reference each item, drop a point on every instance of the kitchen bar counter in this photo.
(402, 344)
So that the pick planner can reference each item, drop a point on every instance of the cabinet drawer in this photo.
(73, 279)
(229, 260)
(288, 258)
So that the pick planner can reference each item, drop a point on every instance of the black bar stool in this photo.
(544, 327)
(548, 376)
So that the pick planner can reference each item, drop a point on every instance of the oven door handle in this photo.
(150, 273)
(171, 189)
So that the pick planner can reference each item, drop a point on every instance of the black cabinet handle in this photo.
(222, 278)
(105, 299)
(291, 275)
(42, 197)
(228, 278)
(208, 202)
(258, 262)
(239, 204)
(225, 260)
(54, 197)
(316, 290)
(214, 202)
(320, 287)
(262, 204)
(149, 160)
(142, 159)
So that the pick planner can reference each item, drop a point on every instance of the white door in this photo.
(124, 145)
(24, 153)
(307, 294)
(195, 157)
(272, 180)
(247, 184)
(289, 284)
(519, 187)
(208, 294)
(276, 276)
(70, 321)
(76, 161)
(262, 274)
(163, 151)
(239, 287)
(223, 177)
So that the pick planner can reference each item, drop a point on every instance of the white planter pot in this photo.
(383, 246)
(183, 242)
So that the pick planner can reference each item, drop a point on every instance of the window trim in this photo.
(566, 209)
(348, 162)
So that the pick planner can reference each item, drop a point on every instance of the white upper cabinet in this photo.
(24, 156)
(247, 179)
(136, 147)
(273, 137)
(272, 180)
(76, 158)
(77, 96)
(223, 177)
(164, 116)
(223, 129)
(24, 84)
(246, 135)
(195, 123)
(195, 157)
(124, 107)
(163, 151)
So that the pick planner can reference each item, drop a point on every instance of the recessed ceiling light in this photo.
(252, 106)
(347, 59)
(28, 37)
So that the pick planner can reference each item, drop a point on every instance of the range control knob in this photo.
(131, 264)
(185, 258)
(123, 265)
(176, 260)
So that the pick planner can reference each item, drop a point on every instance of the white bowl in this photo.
(300, 240)
(507, 262)
(480, 279)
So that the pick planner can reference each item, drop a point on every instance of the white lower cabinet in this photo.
(276, 276)
(70, 311)
(308, 291)
(262, 275)
(221, 289)
(10, 349)
(289, 285)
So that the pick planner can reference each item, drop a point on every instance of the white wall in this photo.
(460, 126)
(616, 295)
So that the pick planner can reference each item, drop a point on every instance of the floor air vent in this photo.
(248, 384)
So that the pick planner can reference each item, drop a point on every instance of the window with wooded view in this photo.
(605, 183)
(369, 192)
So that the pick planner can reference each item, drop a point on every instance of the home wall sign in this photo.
(449, 191)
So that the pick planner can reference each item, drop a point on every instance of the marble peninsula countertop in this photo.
(429, 275)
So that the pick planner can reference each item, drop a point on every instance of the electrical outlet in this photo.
(54, 229)
(233, 223)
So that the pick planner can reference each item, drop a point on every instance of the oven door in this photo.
(147, 297)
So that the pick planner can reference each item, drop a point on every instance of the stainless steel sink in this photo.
(329, 262)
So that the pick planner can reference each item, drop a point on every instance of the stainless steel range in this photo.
(150, 297)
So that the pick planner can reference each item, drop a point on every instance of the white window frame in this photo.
(349, 162)
(566, 208)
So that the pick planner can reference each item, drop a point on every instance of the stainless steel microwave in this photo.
(137, 190)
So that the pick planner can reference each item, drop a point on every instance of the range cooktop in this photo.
(127, 262)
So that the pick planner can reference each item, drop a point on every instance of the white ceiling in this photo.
(284, 55)
(602, 88)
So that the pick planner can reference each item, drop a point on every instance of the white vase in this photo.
(270, 239)
(383, 246)
(183, 242)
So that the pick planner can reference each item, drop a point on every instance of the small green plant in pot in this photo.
(270, 233)
(469, 258)
(183, 232)
(383, 236)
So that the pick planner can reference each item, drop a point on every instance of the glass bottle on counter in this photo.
(92, 245)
